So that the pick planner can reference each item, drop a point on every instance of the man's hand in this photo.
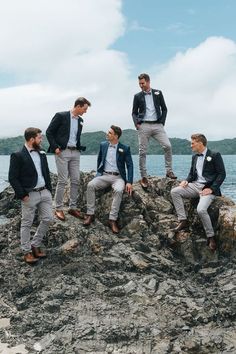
(25, 199)
(206, 191)
(183, 184)
(129, 188)
(57, 151)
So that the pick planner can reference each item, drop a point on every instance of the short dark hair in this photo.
(144, 76)
(117, 130)
(199, 137)
(81, 101)
(31, 133)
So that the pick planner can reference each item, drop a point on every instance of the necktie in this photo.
(199, 154)
(147, 93)
(113, 146)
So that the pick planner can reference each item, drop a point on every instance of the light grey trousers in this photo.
(156, 131)
(192, 191)
(43, 202)
(68, 164)
(102, 182)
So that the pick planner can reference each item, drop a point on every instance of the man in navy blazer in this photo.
(206, 175)
(63, 135)
(149, 116)
(29, 176)
(113, 160)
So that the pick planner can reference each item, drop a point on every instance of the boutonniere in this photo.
(209, 158)
(42, 152)
(120, 150)
(157, 93)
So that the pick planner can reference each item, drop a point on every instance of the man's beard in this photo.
(36, 146)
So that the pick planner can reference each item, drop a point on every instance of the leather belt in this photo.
(112, 173)
(72, 147)
(38, 189)
(150, 122)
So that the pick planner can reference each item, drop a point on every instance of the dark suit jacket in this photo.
(139, 107)
(123, 159)
(23, 175)
(213, 171)
(58, 131)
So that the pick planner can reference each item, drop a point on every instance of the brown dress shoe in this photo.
(60, 215)
(170, 174)
(88, 220)
(144, 182)
(182, 225)
(37, 252)
(114, 227)
(211, 243)
(29, 258)
(75, 213)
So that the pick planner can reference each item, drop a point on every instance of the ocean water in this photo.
(155, 166)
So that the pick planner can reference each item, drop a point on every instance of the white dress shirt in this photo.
(110, 162)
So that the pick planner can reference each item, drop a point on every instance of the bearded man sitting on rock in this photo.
(113, 160)
(206, 175)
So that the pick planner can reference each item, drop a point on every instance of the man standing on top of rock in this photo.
(63, 135)
(113, 160)
(29, 176)
(149, 116)
(206, 174)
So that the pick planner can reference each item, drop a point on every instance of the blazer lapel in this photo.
(28, 157)
(104, 153)
(194, 163)
(208, 153)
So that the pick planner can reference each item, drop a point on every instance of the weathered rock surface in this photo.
(140, 292)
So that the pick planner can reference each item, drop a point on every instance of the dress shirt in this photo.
(73, 130)
(37, 163)
(110, 162)
(150, 114)
(199, 167)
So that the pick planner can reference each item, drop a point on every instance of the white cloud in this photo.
(62, 50)
(199, 86)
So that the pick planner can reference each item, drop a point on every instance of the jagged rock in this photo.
(142, 291)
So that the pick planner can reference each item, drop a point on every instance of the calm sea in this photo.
(155, 165)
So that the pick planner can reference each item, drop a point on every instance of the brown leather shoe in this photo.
(114, 227)
(144, 182)
(170, 174)
(29, 258)
(75, 213)
(60, 215)
(211, 243)
(37, 252)
(88, 220)
(182, 225)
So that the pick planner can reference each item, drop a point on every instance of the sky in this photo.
(55, 51)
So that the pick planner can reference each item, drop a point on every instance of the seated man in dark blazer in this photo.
(63, 135)
(206, 175)
(30, 179)
(113, 160)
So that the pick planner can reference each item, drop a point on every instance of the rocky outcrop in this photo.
(142, 291)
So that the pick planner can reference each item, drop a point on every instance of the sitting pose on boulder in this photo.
(30, 179)
(113, 160)
(206, 175)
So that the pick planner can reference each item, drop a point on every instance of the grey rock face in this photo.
(142, 291)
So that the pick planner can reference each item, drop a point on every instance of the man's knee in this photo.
(201, 210)
(175, 191)
(118, 189)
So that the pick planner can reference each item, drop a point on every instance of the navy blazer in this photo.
(213, 171)
(139, 107)
(23, 176)
(123, 159)
(58, 132)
